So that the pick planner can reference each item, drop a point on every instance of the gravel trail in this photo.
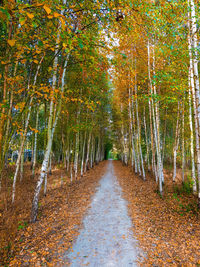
(105, 239)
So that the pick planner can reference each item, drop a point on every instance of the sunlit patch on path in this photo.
(105, 239)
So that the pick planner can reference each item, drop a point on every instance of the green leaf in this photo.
(40, 43)
(80, 44)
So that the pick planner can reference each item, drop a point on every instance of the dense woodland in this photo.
(81, 78)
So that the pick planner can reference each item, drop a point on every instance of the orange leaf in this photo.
(47, 9)
(11, 42)
(56, 14)
(30, 16)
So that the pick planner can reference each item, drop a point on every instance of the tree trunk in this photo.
(183, 143)
(51, 130)
(176, 143)
(147, 143)
(138, 128)
(192, 139)
(21, 150)
(194, 47)
(88, 152)
(35, 143)
(83, 154)
(154, 168)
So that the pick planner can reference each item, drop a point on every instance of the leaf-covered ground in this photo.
(60, 216)
(167, 228)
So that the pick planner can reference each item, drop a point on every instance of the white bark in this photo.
(138, 128)
(92, 152)
(147, 143)
(154, 168)
(196, 74)
(192, 140)
(193, 44)
(157, 131)
(183, 143)
(24, 134)
(88, 152)
(35, 143)
(83, 154)
(176, 143)
(132, 143)
(51, 129)
(45, 184)
(76, 154)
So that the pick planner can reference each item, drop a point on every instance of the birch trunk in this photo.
(35, 143)
(24, 134)
(176, 143)
(67, 157)
(83, 154)
(192, 139)
(21, 151)
(76, 155)
(51, 129)
(138, 128)
(88, 152)
(22, 166)
(6, 139)
(157, 130)
(183, 143)
(192, 86)
(194, 46)
(134, 131)
(133, 156)
(154, 168)
(92, 152)
(147, 143)
(45, 185)
(4, 94)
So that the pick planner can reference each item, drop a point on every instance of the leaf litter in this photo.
(167, 230)
(60, 217)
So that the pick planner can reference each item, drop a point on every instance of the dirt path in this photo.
(105, 239)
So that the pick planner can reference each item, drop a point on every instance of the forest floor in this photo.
(60, 217)
(167, 228)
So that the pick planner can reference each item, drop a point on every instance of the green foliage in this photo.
(22, 225)
(184, 188)
(108, 147)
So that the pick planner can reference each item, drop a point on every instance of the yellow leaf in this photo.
(11, 42)
(47, 9)
(35, 61)
(30, 16)
(23, 22)
(62, 22)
